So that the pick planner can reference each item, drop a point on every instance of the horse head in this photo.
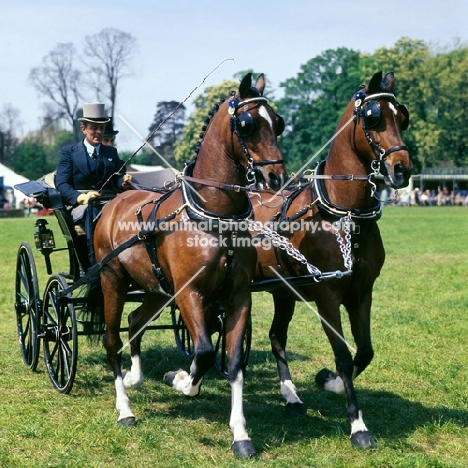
(382, 119)
(258, 127)
(249, 136)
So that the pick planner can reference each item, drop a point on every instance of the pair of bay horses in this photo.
(238, 152)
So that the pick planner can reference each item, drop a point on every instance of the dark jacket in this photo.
(74, 171)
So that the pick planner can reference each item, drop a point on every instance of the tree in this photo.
(168, 125)
(59, 81)
(415, 87)
(9, 121)
(184, 149)
(108, 54)
(314, 101)
(30, 159)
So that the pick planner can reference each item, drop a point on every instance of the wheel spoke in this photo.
(26, 303)
(60, 337)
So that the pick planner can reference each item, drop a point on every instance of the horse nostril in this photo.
(398, 169)
(274, 181)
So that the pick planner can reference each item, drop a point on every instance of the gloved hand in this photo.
(127, 178)
(83, 199)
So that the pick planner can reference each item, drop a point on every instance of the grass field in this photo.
(414, 395)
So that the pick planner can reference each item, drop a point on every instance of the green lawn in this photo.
(414, 395)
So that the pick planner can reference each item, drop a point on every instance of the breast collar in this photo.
(324, 204)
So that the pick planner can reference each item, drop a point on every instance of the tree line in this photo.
(431, 81)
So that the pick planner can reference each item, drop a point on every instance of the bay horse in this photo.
(202, 267)
(349, 254)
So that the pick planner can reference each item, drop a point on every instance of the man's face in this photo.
(93, 132)
(108, 140)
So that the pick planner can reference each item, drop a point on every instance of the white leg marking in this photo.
(134, 378)
(122, 402)
(335, 385)
(183, 382)
(358, 425)
(289, 392)
(237, 421)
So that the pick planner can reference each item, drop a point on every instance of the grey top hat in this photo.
(94, 112)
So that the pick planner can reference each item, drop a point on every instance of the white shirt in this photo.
(90, 148)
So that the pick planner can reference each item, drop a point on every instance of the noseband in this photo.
(370, 116)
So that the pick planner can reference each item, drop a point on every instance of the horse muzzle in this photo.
(397, 174)
(273, 180)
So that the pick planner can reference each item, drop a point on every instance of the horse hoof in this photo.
(127, 422)
(363, 440)
(324, 376)
(294, 410)
(168, 378)
(243, 449)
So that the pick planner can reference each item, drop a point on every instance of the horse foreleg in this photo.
(204, 353)
(360, 319)
(236, 325)
(360, 436)
(284, 310)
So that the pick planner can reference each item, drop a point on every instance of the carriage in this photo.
(66, 309)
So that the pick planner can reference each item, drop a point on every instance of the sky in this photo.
(183, 46)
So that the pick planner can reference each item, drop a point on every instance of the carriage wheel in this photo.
(60, 335)
(185, 344)
(27, 305)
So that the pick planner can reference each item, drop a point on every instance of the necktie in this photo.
(95, 156)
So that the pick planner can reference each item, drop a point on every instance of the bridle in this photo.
(367, 109)
(244, 125)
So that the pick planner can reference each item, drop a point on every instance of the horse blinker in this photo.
(245, 124)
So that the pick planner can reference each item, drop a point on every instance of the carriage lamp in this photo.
(45, 242)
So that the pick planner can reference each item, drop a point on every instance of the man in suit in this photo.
(88, 169)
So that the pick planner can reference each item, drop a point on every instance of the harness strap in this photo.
(212, 183)
(151, 246)
(96, 268)
(336, 176)
(369, 214)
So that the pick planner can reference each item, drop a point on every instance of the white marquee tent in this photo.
(11, 178)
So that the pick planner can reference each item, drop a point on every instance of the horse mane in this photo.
(255, 92)
(207, 120)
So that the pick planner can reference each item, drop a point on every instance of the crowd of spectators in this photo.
(417, 197)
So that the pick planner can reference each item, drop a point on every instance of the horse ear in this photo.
(260, 83)
(245, 85)
(389, 81)
(374, 83)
